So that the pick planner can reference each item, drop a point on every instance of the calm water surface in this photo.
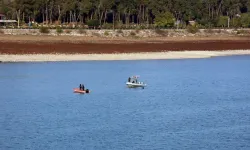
(188, 104)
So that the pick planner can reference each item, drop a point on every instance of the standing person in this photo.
(83, 87)
(80, 87)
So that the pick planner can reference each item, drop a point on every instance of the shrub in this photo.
(218, 31)
(82, 31)
(143, 27)
(119, 31)
(107, 26)
(235, 22)
(137, 30)
(93, 23)
(95, 34)
(106, 33)
(165, 20)
(34, 26)
(209, 31)
(132, 33)
(222, 21)
(59, 30)
(118, 25)
(192, 29)
(245, 20)
(1, 31)
(241, 32)
(161, 32)
(68, 31)
(44, 30)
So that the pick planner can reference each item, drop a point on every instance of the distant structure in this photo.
(192, 22)
(2, 16)
(4, 21)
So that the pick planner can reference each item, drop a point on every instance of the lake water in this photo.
(188, 104)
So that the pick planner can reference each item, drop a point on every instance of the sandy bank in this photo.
(120, 56)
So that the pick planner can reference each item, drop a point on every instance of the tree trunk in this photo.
(147, 17)
(209, 10)
(91, 17)
(143, 13)
(101, 18)
(212, 13)
(78, 18)
(23, 17)
(50, 17)
(18, 18)
(46, 14)
(219, 7)
(105, 16)
(70, 15)
(59, 14)
(113, 20)
(75, 16)
(119, 17)
(126, 19)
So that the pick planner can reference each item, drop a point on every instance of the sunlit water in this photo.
(188, 104)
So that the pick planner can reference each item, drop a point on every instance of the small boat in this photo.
(77, 90)
(134, 83)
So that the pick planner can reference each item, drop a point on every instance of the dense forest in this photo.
(130, 13)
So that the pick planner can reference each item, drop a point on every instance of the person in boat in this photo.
(129, 79)
(83, 88)
(80, 87)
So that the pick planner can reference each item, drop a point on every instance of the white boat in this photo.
(134, 83)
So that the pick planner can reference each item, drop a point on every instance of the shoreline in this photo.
(30, 48)
(8, 58)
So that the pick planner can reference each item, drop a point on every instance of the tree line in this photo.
(130, 13)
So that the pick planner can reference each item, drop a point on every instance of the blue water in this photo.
(188, 104)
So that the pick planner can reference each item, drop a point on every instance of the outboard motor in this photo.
(87, 90)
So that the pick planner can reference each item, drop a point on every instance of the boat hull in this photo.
(135, 85)
(77, 90)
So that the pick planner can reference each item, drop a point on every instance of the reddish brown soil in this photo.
(45, 47)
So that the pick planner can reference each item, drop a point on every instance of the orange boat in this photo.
(77, 90)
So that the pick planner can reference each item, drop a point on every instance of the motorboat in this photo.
(77, 90)
(134, 83)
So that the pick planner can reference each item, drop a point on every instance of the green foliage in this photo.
(93, 23)
(235, 22)
(165, 20)
(192, 29)
(243, 32)
(245, 20)
(106, 33)
(107, 26)
(248, 6)
(59, 30)
(44, 30)
(222, 21)
(128, 13)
